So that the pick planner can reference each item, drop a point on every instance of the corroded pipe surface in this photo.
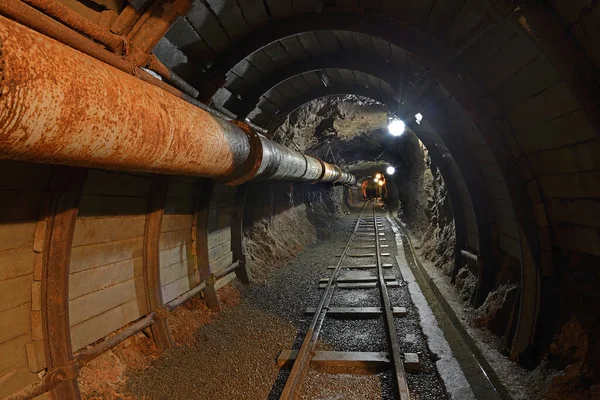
(60, 106)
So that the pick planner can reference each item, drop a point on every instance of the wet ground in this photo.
(235, 358)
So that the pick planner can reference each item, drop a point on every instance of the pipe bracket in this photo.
(250, 167)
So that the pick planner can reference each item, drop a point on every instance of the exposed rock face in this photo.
(439, 237)
(335, 118)
(494, 313)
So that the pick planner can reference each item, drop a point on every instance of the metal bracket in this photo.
(248, 169)
(211, 280)
(64, 373)
(161, 313)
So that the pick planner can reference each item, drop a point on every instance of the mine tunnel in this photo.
(299, 199)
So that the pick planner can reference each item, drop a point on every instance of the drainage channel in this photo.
(480, 375)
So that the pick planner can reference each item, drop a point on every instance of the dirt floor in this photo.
(233, 355)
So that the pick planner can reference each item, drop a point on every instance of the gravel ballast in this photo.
(235, 357)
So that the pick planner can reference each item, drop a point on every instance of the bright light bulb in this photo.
(390, 170)
(378, 176)
(376, 180)
(396, 127)
(380, 183)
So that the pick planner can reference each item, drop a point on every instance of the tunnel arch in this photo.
(454, 70)
(520, 196)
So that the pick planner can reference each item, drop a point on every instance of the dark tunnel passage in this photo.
(174, 169)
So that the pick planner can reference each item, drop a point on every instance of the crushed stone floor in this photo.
(235, 358)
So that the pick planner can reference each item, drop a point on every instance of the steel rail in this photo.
(398, 363)
(293, 385)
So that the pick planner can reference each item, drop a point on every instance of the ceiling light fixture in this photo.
(396, 127)
(390, 170)
(419, 118)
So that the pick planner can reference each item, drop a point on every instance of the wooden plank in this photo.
(222, 262)
(99, 206)
(169, 240)
(95, 255)
(176, 222)
(17, 235)
(16, 263)
(14, 292)
(219, 251)
(20, 205)
(99, 278)
(15, 322)
(101, 230)
(369, 361)
(361, 285)
(311, 43)
(357, 279)
(101, 325)
(173, 272)
(177, 288)
(107, 183)
(175, 254)
(95, 303)
(412, 363)
(13, 354)
(24, 175)
(358, 312)
(364, 266)
(16, 379)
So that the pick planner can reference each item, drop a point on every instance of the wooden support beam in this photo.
(204, 272)
(346, 279)
(364, 266)
(358, 312)
(237, 235)
(370, 362)
(65, 191)
(151, 271)
(361, 285)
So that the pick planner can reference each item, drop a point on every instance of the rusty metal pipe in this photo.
(32, 18)
(60, 106)
(67, 16)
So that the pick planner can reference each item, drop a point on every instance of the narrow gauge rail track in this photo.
(302, 359)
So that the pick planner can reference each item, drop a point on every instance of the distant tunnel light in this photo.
(378, 176)
(419, 118)
(390, 170)
(380, 183)
(396, 127)
(376, 180)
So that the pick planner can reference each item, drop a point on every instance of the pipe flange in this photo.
(323, 170)
(248, 169)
